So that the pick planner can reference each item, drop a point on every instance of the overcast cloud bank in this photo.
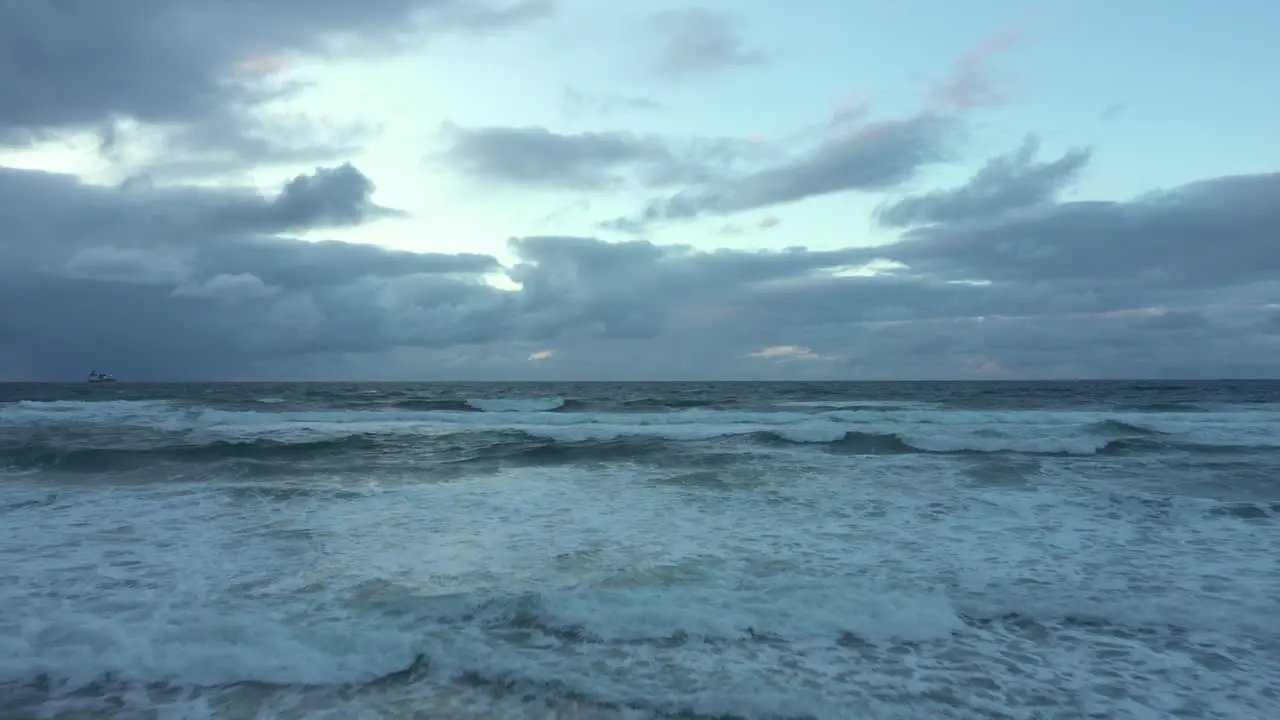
(999, 277)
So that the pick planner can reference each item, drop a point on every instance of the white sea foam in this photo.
(516, 404)
(791, 582)
(858, 404)
(800, 583)
(1066, 432)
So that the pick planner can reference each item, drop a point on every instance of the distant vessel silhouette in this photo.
(97, 377)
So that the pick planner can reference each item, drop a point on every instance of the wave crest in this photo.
(112, 434)
(99, 459)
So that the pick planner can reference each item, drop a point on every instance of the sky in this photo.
(580, 190)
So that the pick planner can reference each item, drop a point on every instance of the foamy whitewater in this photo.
(842, 551)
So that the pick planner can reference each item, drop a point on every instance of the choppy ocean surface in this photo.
(800, 550)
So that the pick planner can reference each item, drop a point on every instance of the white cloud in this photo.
(787, 352)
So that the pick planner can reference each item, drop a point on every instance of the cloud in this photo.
(577, 103)
(330, 197)
(695, 41)
(969, 84)
(197, 280)
(195, 75)
(787, 352)
(164, 277)
(1008, 182)
(846, 152)
(876, 157)
(588, 161)
(232, 288)
(1207, 234)
(849, 113)
(150, 229)
(157, 283)
(124, 265)
(723, 176)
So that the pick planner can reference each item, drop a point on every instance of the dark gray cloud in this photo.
(156, 283)
(718, 176)
(174, 281)
(138, 221)
(696, 40)
(194, 70)
(1008, 182)
(1204, 234)
(876, 157)
(999, 277)
(331, 197)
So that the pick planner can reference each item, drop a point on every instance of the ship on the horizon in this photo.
(97, 377)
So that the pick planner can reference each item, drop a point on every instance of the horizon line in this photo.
(1135, 378)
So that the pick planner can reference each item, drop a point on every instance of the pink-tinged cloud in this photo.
(790, 352)
(970, 85)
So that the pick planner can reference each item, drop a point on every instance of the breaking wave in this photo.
(634, 551)
(119, 435)
(91, 434)
(884, 632)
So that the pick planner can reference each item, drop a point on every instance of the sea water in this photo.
(803, 550)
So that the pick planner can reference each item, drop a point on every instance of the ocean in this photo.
(640, 550)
